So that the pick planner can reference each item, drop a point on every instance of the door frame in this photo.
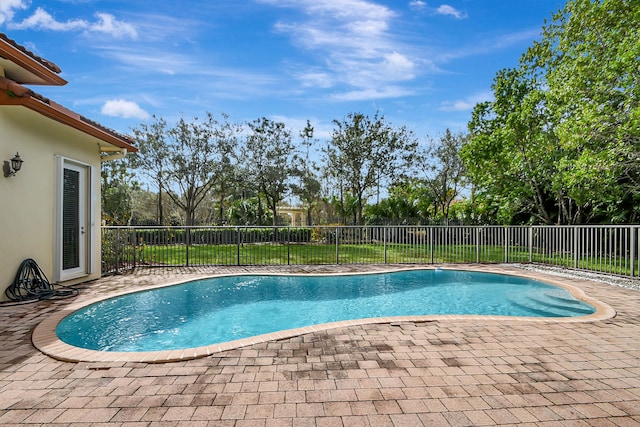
(86, 196)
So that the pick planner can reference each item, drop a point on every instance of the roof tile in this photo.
(50, 65)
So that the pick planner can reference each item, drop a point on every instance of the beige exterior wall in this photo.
(297, 217)
(27, 202)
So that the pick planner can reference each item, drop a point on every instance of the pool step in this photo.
(567, 302)
(551, 304)
(559, 295)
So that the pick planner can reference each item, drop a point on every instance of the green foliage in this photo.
(153, 158)
(364, 152)
(409, 202)
(186, 161)
(118, 186)
(444, 170)
(308, 188)
(559, 142)
(245, 212)
(221, 235)
(272, 160)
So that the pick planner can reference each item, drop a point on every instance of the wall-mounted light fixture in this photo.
(12, 166)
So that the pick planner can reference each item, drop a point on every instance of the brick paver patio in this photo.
(442, 372)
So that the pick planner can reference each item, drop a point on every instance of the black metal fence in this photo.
(607, 249)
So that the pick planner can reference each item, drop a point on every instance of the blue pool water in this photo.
(223, 309)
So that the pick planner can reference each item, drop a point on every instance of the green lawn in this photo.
(300, 254)
(276, 254)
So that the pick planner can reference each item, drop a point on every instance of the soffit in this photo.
(11, 93)
(25, 67)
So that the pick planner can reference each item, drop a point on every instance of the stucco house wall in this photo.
(27, 199)
(62, 152)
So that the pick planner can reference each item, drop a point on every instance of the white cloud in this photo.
(317, 79)
(338, 9)
(110, 25)
(417, 5)
(445, 9)
(466, 104)
(398, 66)
(487, 45)
(41, 19)
(105, 23)
(124, 109)
(354, 41)
(161, 61)
(373, 93)
(9, 7)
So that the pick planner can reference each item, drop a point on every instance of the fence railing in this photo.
(606, 249)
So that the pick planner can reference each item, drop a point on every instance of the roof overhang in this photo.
(12, 93)
(24, 67)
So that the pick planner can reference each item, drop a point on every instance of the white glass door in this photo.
(73, 217)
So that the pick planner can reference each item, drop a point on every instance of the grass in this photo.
(278, 254)
(300, 254)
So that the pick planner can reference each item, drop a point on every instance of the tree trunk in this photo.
(160, 208)
(274, 210)
(260, 211)
(222, 198)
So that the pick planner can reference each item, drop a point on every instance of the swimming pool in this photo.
(223, 309)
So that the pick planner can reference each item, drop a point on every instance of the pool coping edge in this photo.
(45, 339)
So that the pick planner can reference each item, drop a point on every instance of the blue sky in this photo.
(422, 64)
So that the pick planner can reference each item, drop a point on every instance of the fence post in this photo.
(187, 241)
(288, 245)
(478, 234)
(431, 242)
(117, 251)
(530, 244)
(575, 247)
(239, 243)
(632, 250)
(337, 254)
(506, 244)
(384, 240)
(135, 247)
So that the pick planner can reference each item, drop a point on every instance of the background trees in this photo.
(364, 152)
(152, 161)
(445, 173)
(118, 187)
(187, 160)
(589, 56)
(272, 160)
(309, 188)
(559, 142)
(512, 154)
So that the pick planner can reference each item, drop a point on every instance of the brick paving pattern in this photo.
(446, 372)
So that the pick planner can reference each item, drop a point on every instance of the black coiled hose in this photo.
(31, 284)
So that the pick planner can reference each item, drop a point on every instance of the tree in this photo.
(117, 188)
(189, 159)
(409, 202)
(511, 153)
(309, 187)
(153, 158)
(365, 151)
(444, 170)
(202, 153)
(589, 57)
(560, 140)
(272, 159)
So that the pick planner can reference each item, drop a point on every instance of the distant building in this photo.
(293, 216)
